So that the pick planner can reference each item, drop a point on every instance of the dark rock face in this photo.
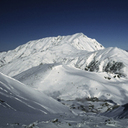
(93, 66)
(114, 67)
(111, 67)
(125, 107)
(120, 112)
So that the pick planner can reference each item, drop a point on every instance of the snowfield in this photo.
(64, 81)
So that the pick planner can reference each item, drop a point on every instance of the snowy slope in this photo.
(12, 89)
(18, 99)
(67, 83)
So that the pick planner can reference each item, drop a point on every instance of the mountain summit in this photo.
(46, 50)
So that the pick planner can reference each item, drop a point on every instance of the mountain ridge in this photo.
(75, 50)
(45, 47)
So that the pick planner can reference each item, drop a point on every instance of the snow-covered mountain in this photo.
(68, 75)
(76, 50)
(61, 49)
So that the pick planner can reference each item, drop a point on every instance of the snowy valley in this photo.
(66, 81)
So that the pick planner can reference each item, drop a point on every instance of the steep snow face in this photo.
(47, 50)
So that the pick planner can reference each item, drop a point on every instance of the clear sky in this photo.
(25, 20)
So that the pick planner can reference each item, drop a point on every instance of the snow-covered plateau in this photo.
(66, 81)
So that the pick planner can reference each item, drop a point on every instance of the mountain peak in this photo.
(76, 50)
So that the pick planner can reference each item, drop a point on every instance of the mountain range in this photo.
(51, 81)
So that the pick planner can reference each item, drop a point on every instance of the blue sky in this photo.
(25, 20)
